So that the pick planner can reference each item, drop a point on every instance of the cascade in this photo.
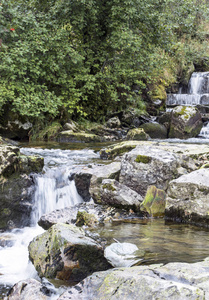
(54, 190)
(196, 94)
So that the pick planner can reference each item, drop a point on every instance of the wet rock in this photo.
(137, 134)
(123, 254)
(186, 122)
(88, 181)
(155, 130)
(68, 215)
(147, 165)
(187, 198)
(29, 289)
(119, 195)
(69, 136)
(172, 281)
(64, 252)
(17, 186)
(154, 202)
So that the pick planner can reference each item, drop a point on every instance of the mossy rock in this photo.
(84, 218)
(155, 130)
(49, 132)
(69, 136)
(154, 202)
(118, 149)
(137, 134)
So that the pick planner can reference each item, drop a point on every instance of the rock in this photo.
(155, 130)
(68, 215)
(29, 289)
(70, 125)
(64, 252)
(137, 134)
(186, 122)
(119, 195)
(68, 136)
(84, 218)
(187, 198)
(88, 181)
(154, 202)
(122, 254)
(147, 165)
(118, 149)
(17, 186)
(13, 126)
(174, 281)
(113, 123)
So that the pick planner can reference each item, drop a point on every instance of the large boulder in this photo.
(119, 195)
(88, 181)
(188, 198)
(186, 122)
(155, 130)
(147, 165)
(69, 136)
(64, 252)
(174, 281)
(17, 186)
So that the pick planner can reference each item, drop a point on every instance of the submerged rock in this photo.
(188, 198)
(64, 252)
(119, 195)
(154, 202)
(122, 254)
(174, 281)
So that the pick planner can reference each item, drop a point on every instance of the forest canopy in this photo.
(90, 58)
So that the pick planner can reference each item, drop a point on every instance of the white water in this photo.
(54, 190)
(197, 94)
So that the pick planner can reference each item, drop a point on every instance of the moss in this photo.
(109, 187)
(49, 132)
(143, 159)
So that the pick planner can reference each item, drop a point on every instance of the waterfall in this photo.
(54, 190)
(197, 93)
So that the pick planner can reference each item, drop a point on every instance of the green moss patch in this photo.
(143, 159)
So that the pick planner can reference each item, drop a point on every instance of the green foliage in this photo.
(90, 58)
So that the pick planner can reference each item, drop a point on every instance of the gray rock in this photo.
(29, 289)
(147, 165)
(122, 254)
(155, 130)
(119, 195)
(187, 198)
(175, 281)
(64, 252)
(88, 181)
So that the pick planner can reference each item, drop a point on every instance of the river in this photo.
(161, 242)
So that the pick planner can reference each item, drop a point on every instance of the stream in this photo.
(161, 242)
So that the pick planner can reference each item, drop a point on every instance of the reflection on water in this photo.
(161, 242)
